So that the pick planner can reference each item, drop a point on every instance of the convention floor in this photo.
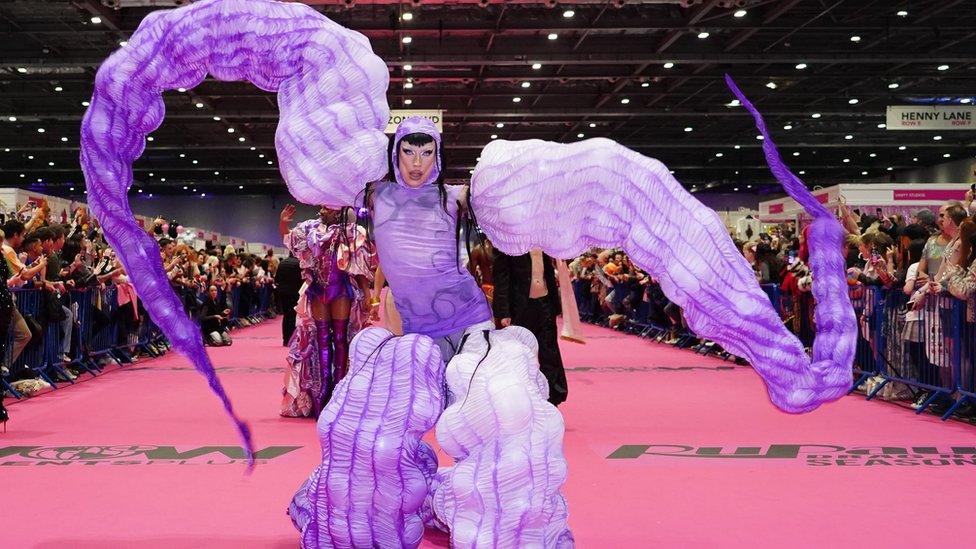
(665, 449)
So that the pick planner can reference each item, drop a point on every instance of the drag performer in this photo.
(336, 267)
(416, 218)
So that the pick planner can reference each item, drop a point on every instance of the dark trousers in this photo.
(287, 303)
(539, 318)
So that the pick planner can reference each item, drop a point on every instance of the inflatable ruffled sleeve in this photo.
(332, 98)
(567, 198)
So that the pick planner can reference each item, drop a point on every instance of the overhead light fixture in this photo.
(853, 101)
(733, 103)
(216, 119)
(788, 127)
(864, 172)
(199, 105)
(407, 16)
(123, 43)
(12, 118)
(645, 84)
(181, 90)
(946, 155)
(261, 155)
(240, 187)
(230, 130)
(182, 155)
(21, 70)
(943, 67)
(737, 147)
(408, 85)
(893, 86)
(669, 65)
(241, 139)
(882, 126)
(516, 100)
(739, 13)
(163, 179)
(771, 85)
(406, 39)
(64, 139)
(50, 163)
(58, 88)
(526, 84)
(408, 101)
(873, 155)
(937, 138)
(553, 36)
(689, 128)
(270, 163)
(40, 130)
(150, 174)
(71, 189)
(855, 38)
(216, 173)
(85, 103)
(500, 125)
(624, 101)
(494, 136)
(801, 66)
(902, 13)
(568, 14)
(196, 161)
(536, 66)
(760, 137)
(796, 153)
(719, 155)
(579, 135)
(408, 67)
(966, 100)
(915, 159)
(703, 35)
(592, 125)
(901, 148)
(848, 137)
(889, 168)
(96, 20)
(815, 115)
(185, 187)
(847, 161)
(254, 148)
(150, 138)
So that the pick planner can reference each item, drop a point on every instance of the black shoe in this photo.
(4, 416)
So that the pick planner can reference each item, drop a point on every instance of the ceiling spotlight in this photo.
(889, 168)
(123, 43)
(788, 127)
(873, 155)
(184, 187)
(494, 136)
(163, 179)
(72, 189)
(796, 153)
(23, 175)
(815, 115)
(241, 139)
(946, 155)
(901, 148)
(801, 66)
(181, 90)
(864, 173)
(669, 65)
(882, 126)
(855, 38)
(216, 173)
(733, 103)
(196, 161)
(408, 101)
(199, 105)
(21, 70)
(254, 148)
(270, 163)
(150, 174)
(592, 125)
(408, 85)
(64, 139)
(937, 138)
(182, 155)
(624, 101)
(966, 100)
(40, 130)
(737, 147)
(516, 100)
(58, 88)
(736, 189)
(203, 195)
(579, 135)
(231, 130)
(893, 86)
(848, 137)
(407, 16)
(915, 159)
(703, 35)
(902, 13)
(150, 138)
(645, 84)
(771, 85)
(760, 137)
(553, 36)
(719, 155)
(85, 103)
(847, 161)
(536, 66)
(853, 101)
(216, 119)
(526, 84)
(30, 157)
(240, 186)
(12, 118)
(688, 128)
(568, 13)
(408, 67)
(406, 39)
(261, 155)
(500, 125)
(96, 20)
(50, 163)
(739, 13)
(943, 67)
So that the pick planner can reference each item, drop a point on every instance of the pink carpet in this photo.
(700, 459)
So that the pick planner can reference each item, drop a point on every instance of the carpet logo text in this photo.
(133, 454)
(813, 455)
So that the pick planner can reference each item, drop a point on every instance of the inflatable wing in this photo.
(330, 142)
(567, 198)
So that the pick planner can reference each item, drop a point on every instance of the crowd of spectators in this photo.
(57, 255)
(928, 254)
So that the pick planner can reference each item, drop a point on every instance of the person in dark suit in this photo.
(288, 280)
(526, 295)
(213, 318)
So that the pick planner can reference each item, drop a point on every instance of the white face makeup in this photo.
(415, 163)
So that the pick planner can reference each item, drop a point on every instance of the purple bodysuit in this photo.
(416, 243)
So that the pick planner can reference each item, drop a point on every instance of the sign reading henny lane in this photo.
(931, 117)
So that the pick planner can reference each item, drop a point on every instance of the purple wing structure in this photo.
(371, 487)
(331, 94)
(507, 443)
(567, 198)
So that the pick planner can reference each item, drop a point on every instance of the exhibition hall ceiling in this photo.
(648, 74)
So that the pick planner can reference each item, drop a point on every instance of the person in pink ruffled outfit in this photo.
(337, 265)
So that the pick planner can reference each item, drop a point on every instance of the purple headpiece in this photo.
(416, 124)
